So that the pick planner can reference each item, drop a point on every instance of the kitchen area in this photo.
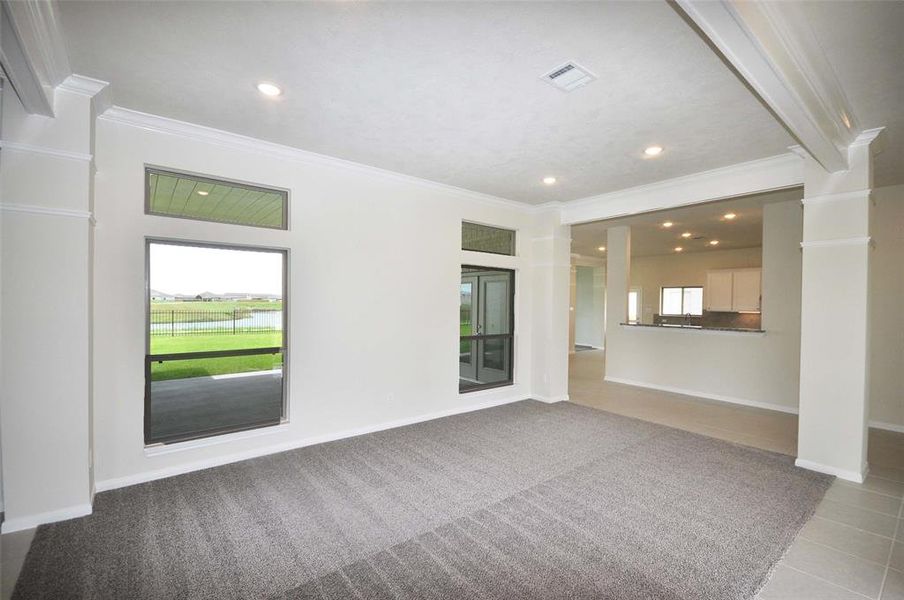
(692, 293)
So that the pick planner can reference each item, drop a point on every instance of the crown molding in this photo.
(552, 206)
(83, 86)
(752, 177)
(33, 52)
(31, 149)
(773, 48)
(874, 138)
(235, 141)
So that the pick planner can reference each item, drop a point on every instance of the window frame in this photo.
(682, 288)
(284, 350)
(149, 168)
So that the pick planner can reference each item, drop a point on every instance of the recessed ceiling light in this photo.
(602, 248)
(269, 89)
(667, 224)
(730, 216)
(678, 248)
(686, 234)
(549, 180)
(202, 193)
(653, 151)
(713, 242)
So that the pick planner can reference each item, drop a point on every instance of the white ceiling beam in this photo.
(33, 52)
(753, 177)
(773, 48)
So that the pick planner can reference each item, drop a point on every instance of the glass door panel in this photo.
(485, 355)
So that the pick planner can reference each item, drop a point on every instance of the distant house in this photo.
(158, 296)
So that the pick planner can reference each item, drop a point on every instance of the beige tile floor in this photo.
(852, 548)
(13, 548)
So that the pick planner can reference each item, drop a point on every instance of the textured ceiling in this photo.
(703, 221)
(447, 92)
(864, 42)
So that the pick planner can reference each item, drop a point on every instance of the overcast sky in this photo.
(192, 270)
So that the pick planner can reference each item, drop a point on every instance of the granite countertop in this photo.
(697, 327)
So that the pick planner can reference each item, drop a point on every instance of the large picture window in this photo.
(486, 328)
(216, 347)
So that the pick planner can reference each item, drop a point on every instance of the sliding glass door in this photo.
(486, 323)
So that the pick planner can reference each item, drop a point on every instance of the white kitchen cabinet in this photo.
(745, 290)
(732, 290)
(717, 292)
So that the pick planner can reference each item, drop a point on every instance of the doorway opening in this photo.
(486, 328)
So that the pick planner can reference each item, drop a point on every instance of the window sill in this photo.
(215, 440)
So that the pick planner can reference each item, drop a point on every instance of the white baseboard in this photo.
(706, 395)
(855, 476)
(119, 482)
(551, 399)
(886, 426)
(31, 521)
(742, 401)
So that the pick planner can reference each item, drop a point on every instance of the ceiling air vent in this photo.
(569, 76)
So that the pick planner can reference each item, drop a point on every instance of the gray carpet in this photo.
(523, 501)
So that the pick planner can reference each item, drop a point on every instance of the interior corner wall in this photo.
(758, 370)
(373, 297)
(886, 407)
(651, 273)
(551, 267)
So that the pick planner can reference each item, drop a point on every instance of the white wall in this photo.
(589, 308)
(650, 273)
(374, 270)
(45, 395)
(887, 316)
(755, 369)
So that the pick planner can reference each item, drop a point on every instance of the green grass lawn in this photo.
(180, 369)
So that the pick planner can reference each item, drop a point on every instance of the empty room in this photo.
(237, 241)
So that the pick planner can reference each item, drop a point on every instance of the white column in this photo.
(618, 282)
(834, 369)
(45, 384)
(550, 295)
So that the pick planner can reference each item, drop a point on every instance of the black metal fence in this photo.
(212, 322)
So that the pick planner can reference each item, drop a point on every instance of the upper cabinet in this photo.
(717, 292)
(746, 290)
(732, 290)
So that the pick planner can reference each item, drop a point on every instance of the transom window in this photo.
(483, 238)
(685, 300)
(174, 194)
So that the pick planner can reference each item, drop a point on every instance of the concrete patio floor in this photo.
(186, 406)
